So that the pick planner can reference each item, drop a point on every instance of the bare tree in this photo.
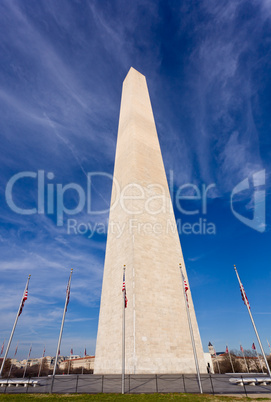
(68, 369)
(44, 367)
(225, 363)
(6, 368)
(32, 370)
(252, 361)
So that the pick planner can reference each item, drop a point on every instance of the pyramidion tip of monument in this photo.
(133, 72)
(133, 69)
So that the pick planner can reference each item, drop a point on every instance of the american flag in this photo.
(71, 351)
(253, 346)
(23, 301)
(124, 289)
(186, 289)
(85, 352)
(227, 349)
(29, 353)
(244, 296)
(241, 348)
(68, 295)
(43, 352)
(15, 353)
(2, 348)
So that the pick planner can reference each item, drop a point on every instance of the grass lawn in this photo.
(119, 397)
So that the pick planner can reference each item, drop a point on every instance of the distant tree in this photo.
(17, 372)
(6, 368)
(238, 361)
(252, 361)
(225, 363)
(69, 367)
(32, 371)
(58, 370)
(214, 360)
(79, 370)
(44, 367)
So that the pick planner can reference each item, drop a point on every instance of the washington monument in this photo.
(157, 337)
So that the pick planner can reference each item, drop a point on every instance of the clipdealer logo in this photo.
(259, 201)
(152, 199)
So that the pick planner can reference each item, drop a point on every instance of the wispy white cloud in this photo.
(223, 144)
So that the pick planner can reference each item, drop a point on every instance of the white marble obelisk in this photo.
(142, 234)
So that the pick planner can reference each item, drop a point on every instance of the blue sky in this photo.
(207, 65)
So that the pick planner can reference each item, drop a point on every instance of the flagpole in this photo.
(230, 359)
(27, 360)
(2, 348)
(10, 370)
(41, 360)
(216, 359)
(217, 363)
(253, 323)
(69, 365)
(123, 335)
(14, 326)
(242, 350)
(260, 363)
(40, 367)
(14, 358)
(62, 324)
(191, 331)
(70, 361)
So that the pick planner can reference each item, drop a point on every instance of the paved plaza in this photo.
(135, 384)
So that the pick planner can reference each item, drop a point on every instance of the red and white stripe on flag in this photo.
(244, 296)
(23, 301)
(68, 292)
(124, 290)
(186, 289)
(2, 349)
(253, 346)
(227, 349)
(241, 348)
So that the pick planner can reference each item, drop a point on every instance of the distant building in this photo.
(251, 361)
(72, 357)
(209, 363)
(86, 362)
(16, 363)
(211, 349)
